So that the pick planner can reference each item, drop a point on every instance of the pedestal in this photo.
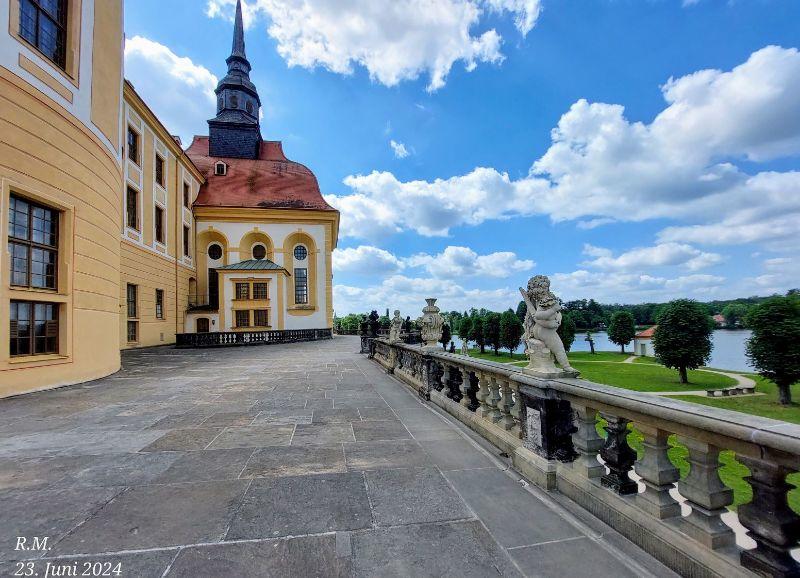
(541, 362)
(547, 426)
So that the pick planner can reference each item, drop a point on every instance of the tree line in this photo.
(589, 314)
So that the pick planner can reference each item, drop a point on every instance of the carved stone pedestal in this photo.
(547, 426)
(541, 364)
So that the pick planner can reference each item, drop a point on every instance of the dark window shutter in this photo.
(51, 328)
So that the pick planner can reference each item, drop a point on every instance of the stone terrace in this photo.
(285, 460)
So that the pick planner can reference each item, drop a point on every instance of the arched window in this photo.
(249, 107)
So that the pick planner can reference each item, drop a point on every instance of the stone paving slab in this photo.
(395, 497)
(285, 460)
(297, 505)
(431, 550)
(311, 556)
(295, 461)
(152, 516)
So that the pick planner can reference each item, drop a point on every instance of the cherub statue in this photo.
(542, 321)
(395, 327)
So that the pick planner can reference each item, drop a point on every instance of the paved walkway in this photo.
(285, 460)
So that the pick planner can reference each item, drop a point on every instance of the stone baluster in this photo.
(516, 410)
(472, 392)
(446, 380)
(618, 455)
(658, 474)
(464, 389)
(707, 496)
(483, 394)
(437, 376)
(456, 379)
(769, 520)
(587, 442)
(505, 404)
(493, 401)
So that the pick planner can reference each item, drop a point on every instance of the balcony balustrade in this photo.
(574, 436)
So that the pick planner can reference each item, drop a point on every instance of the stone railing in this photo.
(550, 429)
(232, 338)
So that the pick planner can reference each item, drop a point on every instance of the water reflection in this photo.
(728, 351)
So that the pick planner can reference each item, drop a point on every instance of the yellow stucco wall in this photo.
(48, 156)
(144, 262)
(107, 67)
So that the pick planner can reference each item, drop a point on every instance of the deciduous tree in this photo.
(773, 347)
(566, 331)
(492, 330)
(622, 328)
(682, 339)
(446, 336)
(476, 333)
(465, 328)
(511, 331)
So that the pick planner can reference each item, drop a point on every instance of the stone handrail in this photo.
(549, 427)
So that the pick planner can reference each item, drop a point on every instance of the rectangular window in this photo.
(133, 309)
(261, 318)
(243, 319)
(33, 244)
(133, 145)
(160, 170)
(160, 225)
(260, 291)
(185, 241)
(43, 23)
(186, 195)
(34, 328)
(243, 290)
(301, 286)
(132, 208)
(133, 331)
(159, 303)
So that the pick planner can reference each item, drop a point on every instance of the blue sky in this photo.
(632, 150)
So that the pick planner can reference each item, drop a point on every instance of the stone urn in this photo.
(432, 324)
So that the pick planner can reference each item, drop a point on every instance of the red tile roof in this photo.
(270, 182)
(647, 333)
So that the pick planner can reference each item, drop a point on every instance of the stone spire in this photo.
(235, 131)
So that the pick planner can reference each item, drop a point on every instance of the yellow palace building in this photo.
(113, 235)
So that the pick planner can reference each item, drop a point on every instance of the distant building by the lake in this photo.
(643, 342)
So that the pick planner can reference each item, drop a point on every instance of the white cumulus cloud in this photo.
(603, 167)
(180, 92)
(661, 255)
(365, 260)
(394, 40)
(462, 262)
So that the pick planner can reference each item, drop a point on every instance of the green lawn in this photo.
(649, 377)
(504, 357)
(598, 356)
(762, 405)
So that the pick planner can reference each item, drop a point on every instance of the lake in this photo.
(728, 351)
